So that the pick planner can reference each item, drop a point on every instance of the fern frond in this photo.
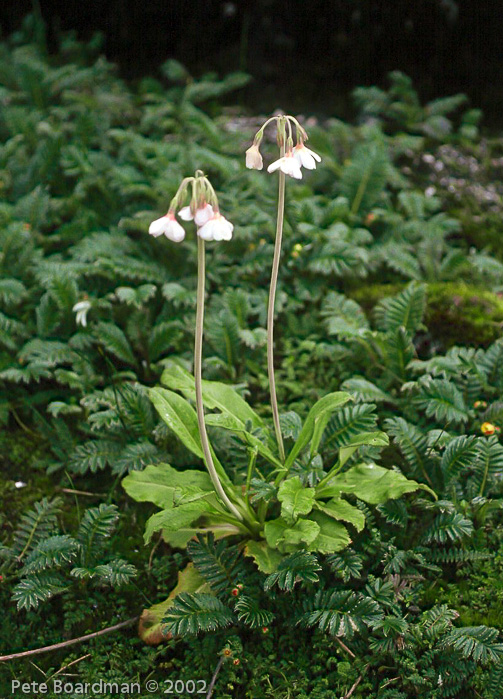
(300, 567)
(449, 526)
(249, 612)
(341, 613)
(405, 310)
(346, 565)
(116, 573)
(216, 562)
(35, 526)
(96, 527)
(192, 613)
(477, 642)
(53, 552)
(441, 399)
(37, 588)
(348, 422)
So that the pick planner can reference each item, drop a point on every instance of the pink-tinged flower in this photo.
(306, 157)
(287, 164)
(202, 215)
(253, 158)
(169, 226)
(217, 228)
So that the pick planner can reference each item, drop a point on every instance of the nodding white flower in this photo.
(306, 157)
(81, 308)
(287, 164)
(253, 158)
(217, 228)
(202, 215)
(169, 226)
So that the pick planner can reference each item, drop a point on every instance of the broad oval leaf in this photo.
(295, 499)
(371, 483)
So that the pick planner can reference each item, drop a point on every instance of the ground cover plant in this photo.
(363, 516)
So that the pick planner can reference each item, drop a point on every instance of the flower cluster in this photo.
(292, 158)
(203, 210)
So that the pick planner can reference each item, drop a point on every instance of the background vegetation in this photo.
(390, 289)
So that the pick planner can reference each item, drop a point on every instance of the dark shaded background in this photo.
(303, 55)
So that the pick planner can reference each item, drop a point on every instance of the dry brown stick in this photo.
(344, 647)
(65, 667)
(353, 688)
(71, 642)
(214, 678)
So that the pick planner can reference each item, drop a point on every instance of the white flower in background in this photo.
(217, 228)
(287, 164)
(202, 215)
(81, 308)
(253, 158)
(169, 226)
(306, 157)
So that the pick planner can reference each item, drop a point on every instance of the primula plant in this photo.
(288, 502)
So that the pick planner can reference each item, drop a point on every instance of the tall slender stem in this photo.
(198, 354)
(270, 311)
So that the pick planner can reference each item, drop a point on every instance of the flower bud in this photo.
(487, 428)
(254, 158)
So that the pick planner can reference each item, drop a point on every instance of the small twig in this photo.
(65, 667)
(71, 491)
(71, 642)
(214, 678)
(344, 647)
(353, 688)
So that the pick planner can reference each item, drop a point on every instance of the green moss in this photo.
(456, 313)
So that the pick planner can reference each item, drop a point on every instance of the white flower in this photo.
(81, 308)
(287, 164)
(169, 226)
(217, 228)
(253, 158)
(306, 157)
(202, 215)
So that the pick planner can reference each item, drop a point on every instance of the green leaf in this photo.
(316, 422)
(232, 423)
(279, 533)
(266, 558)
(180, 416)
(216, 395)
(332, 536)
(159, 484)
(343, 510)
(176, 518)
(150, 628)
(371, 439)
(295, 499)
(370, 483)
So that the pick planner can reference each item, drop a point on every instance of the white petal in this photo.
(185, 214)
(275, 165)
(175, 232)
(158, 226)
(203, 215)
(206, 231)
(308, 161)
(313, 154)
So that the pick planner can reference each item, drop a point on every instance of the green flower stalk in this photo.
(203, 210)
(289, 163)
